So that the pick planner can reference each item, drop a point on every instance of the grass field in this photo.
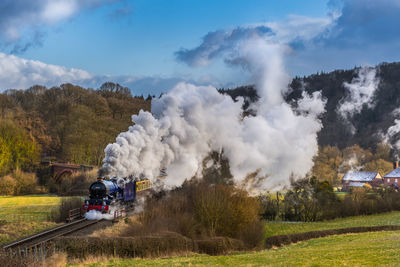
(278, 228)
(27, 208)
(366, 249)
(24, 215)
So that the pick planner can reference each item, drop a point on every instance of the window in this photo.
(388, 180)
(395, 180)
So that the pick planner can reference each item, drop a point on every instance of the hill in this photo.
(74, 124)
(68, 123)
(366, 126)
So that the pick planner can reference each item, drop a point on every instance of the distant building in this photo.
(359, 179)
(393, 177)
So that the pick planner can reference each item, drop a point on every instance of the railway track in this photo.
(33, 241)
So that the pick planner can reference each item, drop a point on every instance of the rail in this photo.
(50, 234)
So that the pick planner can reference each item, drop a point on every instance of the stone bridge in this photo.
(65, 169)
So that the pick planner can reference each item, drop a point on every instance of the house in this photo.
(358, 179)
(393, 177)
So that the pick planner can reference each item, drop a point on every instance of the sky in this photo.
(150, 45)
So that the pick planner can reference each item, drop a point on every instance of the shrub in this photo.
(280, 240)
(201, 209)
(253, 234)
(218, 245)
(7, 185)
(8, 260)
(26, 183)
(269, 207)
(76, 184)
(224, 210)
(60, 213)
(152, 245)
(161, 244)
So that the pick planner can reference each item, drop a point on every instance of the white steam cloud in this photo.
(391, 136)
(360, 92)
(190, 121)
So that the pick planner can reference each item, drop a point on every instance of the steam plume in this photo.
(391, 137)
(360, 92)
(191, 121)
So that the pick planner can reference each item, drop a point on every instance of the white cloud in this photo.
(22, 21)
(19, 73)
(54, 11)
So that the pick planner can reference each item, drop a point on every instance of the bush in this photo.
(7, 185)
(199, 209)
(218, 245)
(312, 200)
(153, 245)
(162, 244)
(60, 213)
(76, 184)
(26, 182)
(280, 240)
(253, 234)
(224, 210)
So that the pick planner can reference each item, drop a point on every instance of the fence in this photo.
(38, 252)
(74, 214)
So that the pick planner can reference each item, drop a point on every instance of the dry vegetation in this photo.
(61, 212)
(76, 184)
(20, 183)
(198, 217)
(55, 260)
(199, 209)
(365, 249)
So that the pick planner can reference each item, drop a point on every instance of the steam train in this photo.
(107, 193)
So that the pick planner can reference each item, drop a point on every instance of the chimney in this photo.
(395, 164)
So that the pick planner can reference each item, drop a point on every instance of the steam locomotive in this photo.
(106, 193)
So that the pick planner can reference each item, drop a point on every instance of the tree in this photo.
(310, 200)
(326, 164)
(355, 158)
(17, 149)
(383, 151)
(110, 89)
(379, 165)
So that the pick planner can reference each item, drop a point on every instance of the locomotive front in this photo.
(102, 194)
(107, 193)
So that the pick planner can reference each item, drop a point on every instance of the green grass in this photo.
(24, 215)
(26, 208)
(366, 249)
(279, 228)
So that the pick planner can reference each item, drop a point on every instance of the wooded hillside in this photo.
(69, 123)
(368, 124)
(74, 124)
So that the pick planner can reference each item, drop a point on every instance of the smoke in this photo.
(97, 215)
(360, 92)
(391, 137)
(190, 122)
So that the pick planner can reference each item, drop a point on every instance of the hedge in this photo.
(280, 240)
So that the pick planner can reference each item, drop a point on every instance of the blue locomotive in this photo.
(105, 193)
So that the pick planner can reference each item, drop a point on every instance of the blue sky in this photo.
(149, 45)
(143, 41)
